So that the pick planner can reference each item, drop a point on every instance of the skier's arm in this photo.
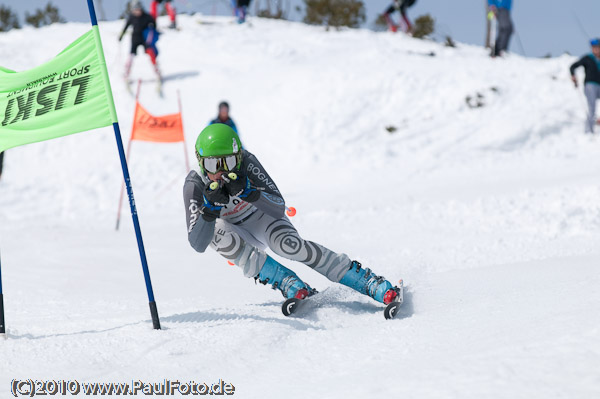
(125, 28)
(151, 22)
(270, 201)
(576, 65)
(200, 231)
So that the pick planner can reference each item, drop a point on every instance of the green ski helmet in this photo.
(217, 141)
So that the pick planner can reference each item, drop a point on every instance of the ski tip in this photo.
(391, 310)
(289, 306)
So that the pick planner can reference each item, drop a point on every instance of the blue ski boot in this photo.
(366, 282)
(283, 279)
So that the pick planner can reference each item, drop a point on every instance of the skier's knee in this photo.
(288, 244)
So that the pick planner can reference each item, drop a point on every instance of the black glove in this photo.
(215, 198)
(239, 185)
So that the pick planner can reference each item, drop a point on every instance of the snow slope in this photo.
(490, 215)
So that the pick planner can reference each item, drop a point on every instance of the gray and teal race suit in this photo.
(244, 230)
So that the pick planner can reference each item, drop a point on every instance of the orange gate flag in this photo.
(159, 129)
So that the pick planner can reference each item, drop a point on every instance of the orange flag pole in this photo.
(187, 160)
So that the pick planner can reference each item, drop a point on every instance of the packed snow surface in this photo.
(490, 214)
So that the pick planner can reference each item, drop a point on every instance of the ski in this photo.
(391, 310)
(291, 305)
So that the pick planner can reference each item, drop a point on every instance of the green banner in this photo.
(68, 94)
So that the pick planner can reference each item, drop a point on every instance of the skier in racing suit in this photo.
(235, 207)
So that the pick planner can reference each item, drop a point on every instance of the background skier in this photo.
(1, 162)
(501, 9)
(234, 206)
(401, 6)
(223, 116)
(591, 64)
(144, 34)
(241, 9)
(170, 11)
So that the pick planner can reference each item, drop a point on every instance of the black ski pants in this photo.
(505, 30)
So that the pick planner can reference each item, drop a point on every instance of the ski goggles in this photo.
(215, 164)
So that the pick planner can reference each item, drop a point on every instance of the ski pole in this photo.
(168, 186)
(2, 325)
(492, 19)
(520, 43)
(580, 25)
(117, 59)
(488, 26)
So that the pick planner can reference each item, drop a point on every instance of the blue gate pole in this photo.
(134, 215)
(2, 325)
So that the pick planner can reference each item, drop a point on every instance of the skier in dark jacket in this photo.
(240, 8)
(501, 9)
(1, 162)
(400, 6)
(591, 64)
(234, 206)
(224, 117)
(170, 11)
(144, 34)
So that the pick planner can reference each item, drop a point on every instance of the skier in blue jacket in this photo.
(234, 206)
(223, 116)
(501, 9)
